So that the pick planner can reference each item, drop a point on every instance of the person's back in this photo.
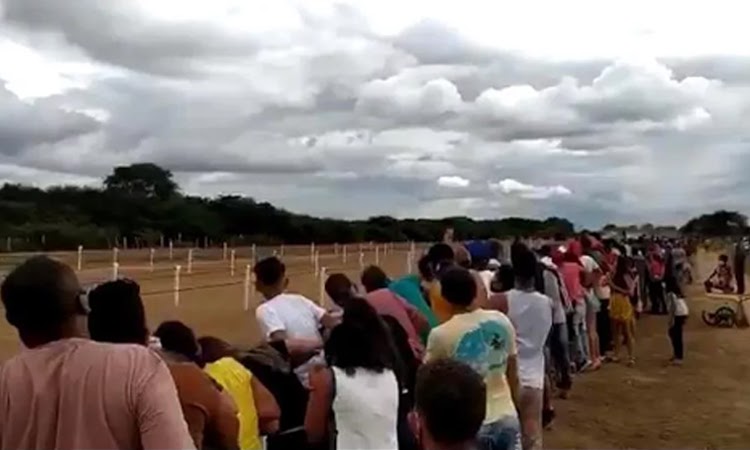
(117, 315)
(77, 394)
(409, 288)
(68, 392)
(296, 317)
(365, 405)
(358, 390)
(299, 316)
(531, 314)
(484, 340)
(236, 380)
(571, 273)
(387, 303)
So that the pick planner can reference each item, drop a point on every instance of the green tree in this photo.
(719, 223)
(142, 180)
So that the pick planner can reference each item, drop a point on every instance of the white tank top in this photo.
(365, 406)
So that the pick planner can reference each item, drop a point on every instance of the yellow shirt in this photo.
(440, 306)
(235, 379)
(484, 340)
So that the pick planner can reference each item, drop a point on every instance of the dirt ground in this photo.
(704, 404)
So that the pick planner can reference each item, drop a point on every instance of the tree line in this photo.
(142, 204)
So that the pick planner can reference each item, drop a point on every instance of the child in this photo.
(621, 310)
(678, 314)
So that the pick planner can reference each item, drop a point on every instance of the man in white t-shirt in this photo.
(287, 317)
(531, 314)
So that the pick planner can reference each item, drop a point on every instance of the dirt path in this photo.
(704, 404)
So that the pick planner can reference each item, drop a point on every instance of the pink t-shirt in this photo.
(571, 273)
(80, 394)
(386, 303)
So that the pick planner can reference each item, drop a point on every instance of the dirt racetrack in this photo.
(704, 404)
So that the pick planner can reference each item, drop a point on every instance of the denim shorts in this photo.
(504, 434)
(592, 303)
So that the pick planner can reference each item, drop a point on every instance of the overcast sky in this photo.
(600, 112)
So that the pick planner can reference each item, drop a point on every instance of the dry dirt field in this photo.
(704, 404)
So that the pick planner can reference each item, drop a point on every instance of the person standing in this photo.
(284, 316)
(409, 287)
(572, 274)
(531, 314)
(678, 314)
(358, 390)
(117, 316)
(387, 303)
(656, 282)
(739, 266)
(66, 391)
(553, 287)
(257, 410)
(621, 310)
(485, 340)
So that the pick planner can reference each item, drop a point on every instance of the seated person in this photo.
(721, 279)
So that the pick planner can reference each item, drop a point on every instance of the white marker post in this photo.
(115, 254)
(79, 263)
(190, 261)
(343, 254)
(151, 253)
(171, 250)
(312, 251)
(177, 270)
(224, 252)
(316, 263)
(409, 262)
(322, 284)
(361, 260)
(377, 255)
(253, 254)
(232, 258)
(115, 270)
(246, 293)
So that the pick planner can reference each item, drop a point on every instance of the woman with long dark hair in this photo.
(359, 390)
(621, 310)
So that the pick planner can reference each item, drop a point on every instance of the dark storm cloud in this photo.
(114, 31)
(24, 125)
(201, 101)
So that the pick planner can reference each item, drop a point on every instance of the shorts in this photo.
(593, 305)
(504, 434)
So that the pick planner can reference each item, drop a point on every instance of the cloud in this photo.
(453, 182)
(354, 108)
(510, 186)
(24, 125)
